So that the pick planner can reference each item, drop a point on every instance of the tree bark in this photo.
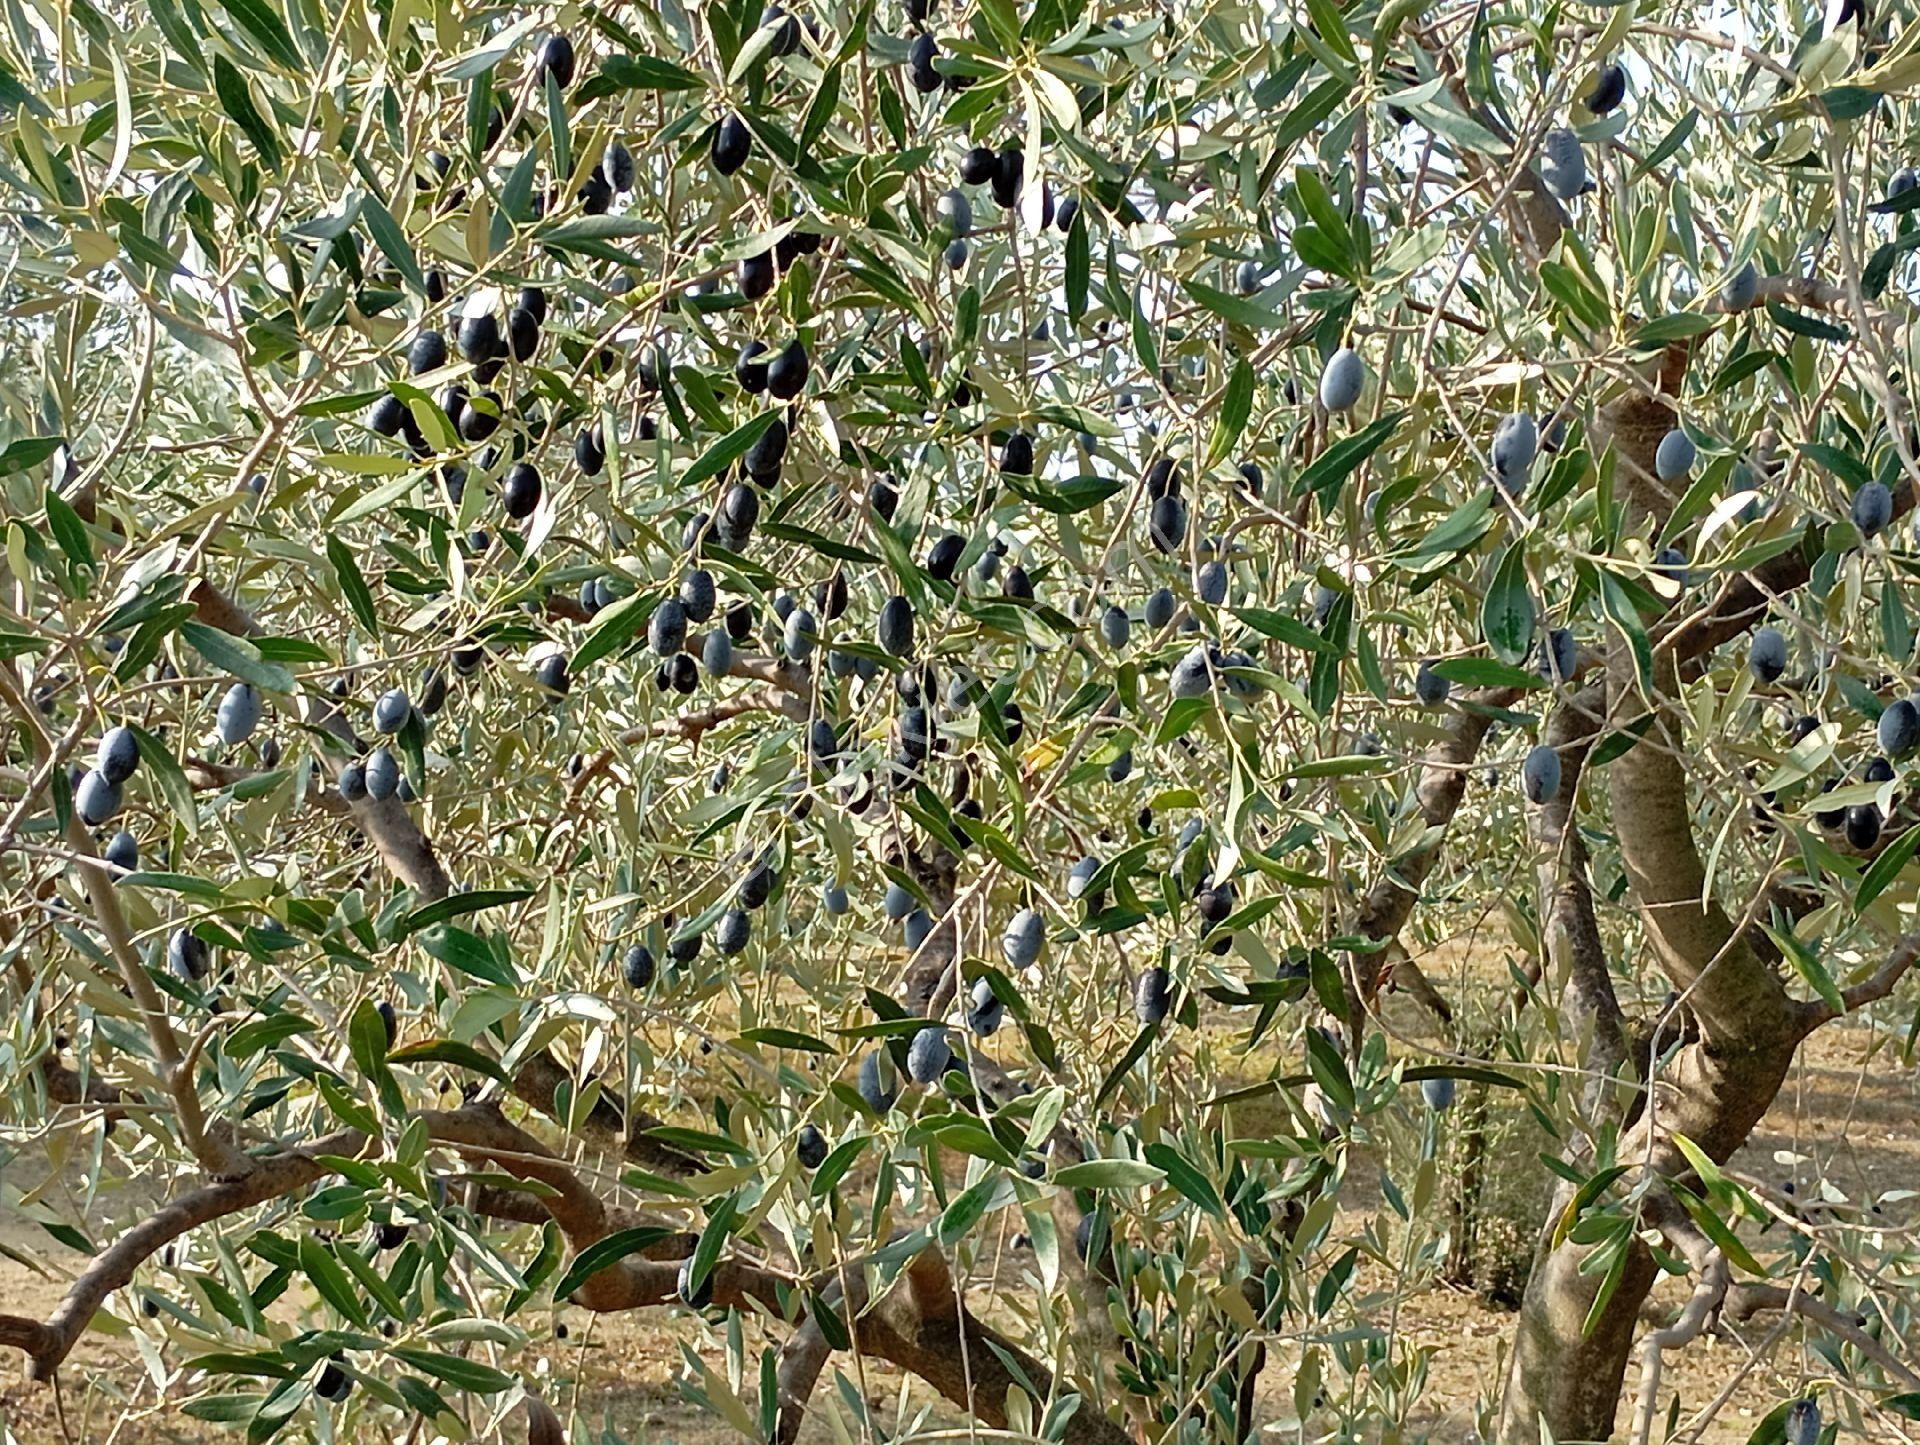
(1567, 1372)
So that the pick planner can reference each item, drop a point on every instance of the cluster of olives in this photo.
(100, 793)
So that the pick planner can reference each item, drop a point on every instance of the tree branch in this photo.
(1571, 933)
(218, 1158)
(1876, 986)
(49, 1343)
(1706, 1298)
(1744, 1301)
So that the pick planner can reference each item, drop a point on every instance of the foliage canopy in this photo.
(736, 655)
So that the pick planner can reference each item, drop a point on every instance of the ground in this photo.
(1848, 1111)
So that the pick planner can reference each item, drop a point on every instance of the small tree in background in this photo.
(703, 659)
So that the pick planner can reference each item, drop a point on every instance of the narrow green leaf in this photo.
(728, 450)
(1235, 407)
(457, 905)
(330, 1281)
(1108, 1174)
(462, 1374)
(268, 30)
(1183, 1176)
(235, 99)
(706, 1254)
(392, 241)
(958, 1218)
(448, 1051)
(352, 584)
(1333, 466)
(168, 776)
(1079, 267)
(1885, 868)
(1506, 613)
(236, 656)
(604, 1253)
(1145, 349)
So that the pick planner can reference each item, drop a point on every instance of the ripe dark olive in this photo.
(1014, 721)
(978, 165)
(523, 333)
(894, 630)
(334, 1384)
(521, 491)
(187, 955)
(757, 886)
(732, 144)
(118, 756)
(638, 966)
(1863, 825)
(534, 301)
(551, 673)
(1215, 903)
(386, 415)
(787, 372)
(810, 1147)
(478, 423)
(595, 195)
(588, 454)
(740, 509)
(1609, 89)
(480, 338)
(428, 352)
(944, 556)
(1017, 585)
(786, 37)
(792, 246)
(697, 594)
(1016, 457)
(750, 370)
(123, 851)
(883, 498)
(764, 458)
(755, 275)
(740, 621)
(920, 57)
(830, 596)
(1009, 167)
(555, 58)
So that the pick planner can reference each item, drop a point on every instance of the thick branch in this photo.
(1744, 1301)
(1442, 785)
(1706, 1298)
(540, 1077)
(1571, 933)
(49, 1343)
(206, 776)
(1871, 989)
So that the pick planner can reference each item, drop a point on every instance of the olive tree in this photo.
(703, 659)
